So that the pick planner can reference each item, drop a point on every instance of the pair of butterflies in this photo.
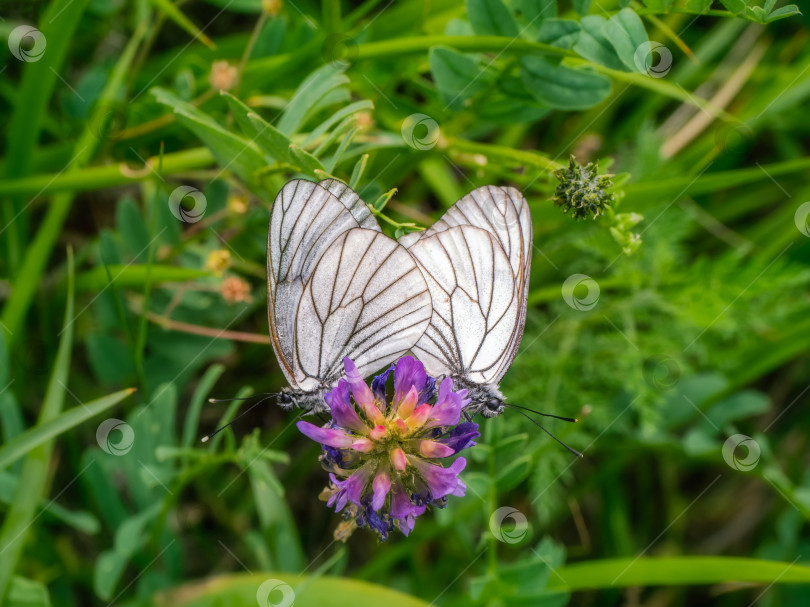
(454, 295)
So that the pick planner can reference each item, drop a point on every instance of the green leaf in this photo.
(491, 18)
(44, 432)
(563, 87)
(562, 33)
(191, 424)
(582, 6)
(659, 6)
(735, 6)
(21, 515)
(593, 46)
(238, 6)
(458, 77)
(626, 33)
(80, 520)
(535, 13)
(781, 13)
(130, 536)
(676, 571)
(241, 591)
(27, 593)
(238, 154)
(514, 473)
(311, 91)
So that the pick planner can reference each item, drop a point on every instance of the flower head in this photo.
(582, 190)
(384, 457)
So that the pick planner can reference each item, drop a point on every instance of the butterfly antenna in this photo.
(536, 423)
(227, 400)
(565, 419)
(267, 397)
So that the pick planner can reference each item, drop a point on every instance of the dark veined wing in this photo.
(305, 220)
(367, 300)
(476, 306)
(352, 201)
(504, 213)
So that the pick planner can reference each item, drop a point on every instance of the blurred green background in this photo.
(143, 143)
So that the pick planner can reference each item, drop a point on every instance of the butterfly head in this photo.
(310, 402)
(485, 399)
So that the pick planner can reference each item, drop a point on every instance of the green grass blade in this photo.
(33, 479)
(107, 176)
(175, 14)
(241, 591)
(42, 433)
(58, 25)
(38, 252)
(676, 571)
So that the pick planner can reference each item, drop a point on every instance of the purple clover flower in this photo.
(384, 458)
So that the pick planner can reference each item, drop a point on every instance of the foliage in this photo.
(144, 147)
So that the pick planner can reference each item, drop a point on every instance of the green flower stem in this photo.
(482, 44)
(518, 46)
(510, 155)
(108, 176)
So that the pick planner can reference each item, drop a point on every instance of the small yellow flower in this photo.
(364, 121)
(272, 7)
(218, 261)
(223, 76)
(238, 204)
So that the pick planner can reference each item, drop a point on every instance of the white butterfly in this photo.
(476, 261)
(336, 287)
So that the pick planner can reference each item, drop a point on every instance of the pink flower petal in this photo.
(331, 437)
(398, 459)
(447, 410)
(418, 418)
(378, 432)
(407, 404)
(343, 413)
(363, 445)
(380, 486)
(408, 373)
(440, 481)
(362, 394)
(430, 448)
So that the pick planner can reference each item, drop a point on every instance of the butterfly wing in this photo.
(475, 304)
(305, 220)
(504, 214)
(367, 300)
(352, 201)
